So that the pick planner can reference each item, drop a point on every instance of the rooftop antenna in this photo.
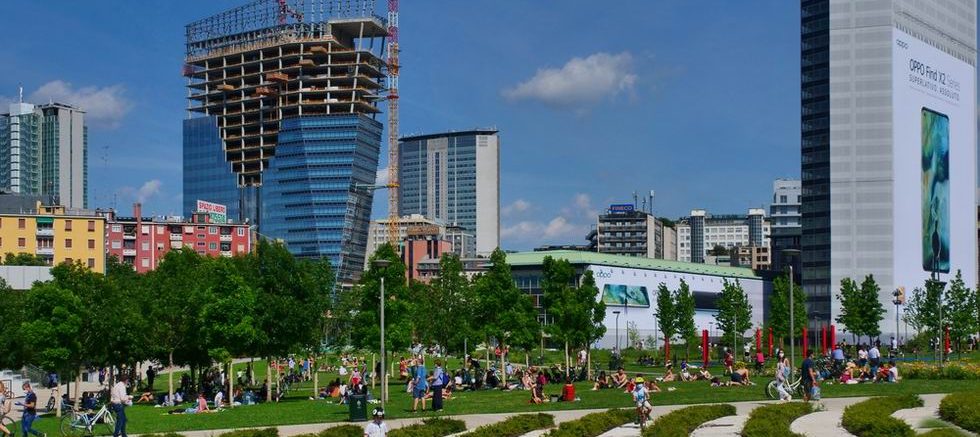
(20, 92)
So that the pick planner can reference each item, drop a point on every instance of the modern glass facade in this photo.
(207, 175)
(315, 195)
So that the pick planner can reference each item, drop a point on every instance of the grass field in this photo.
(297, 409)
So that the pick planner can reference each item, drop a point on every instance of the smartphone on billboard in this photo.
(935, 191)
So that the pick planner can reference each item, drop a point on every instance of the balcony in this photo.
(45, 251)
(176, 237)
(226, 253)
(45, 232)
(226, 237)
(129, 236)
(129, 252)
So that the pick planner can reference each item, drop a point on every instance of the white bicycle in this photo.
(86, 423)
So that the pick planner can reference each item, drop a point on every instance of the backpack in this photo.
(444, 378)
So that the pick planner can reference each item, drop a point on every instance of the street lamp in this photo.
(381, 264)
(656, 340)
(617, 331)
(792, 308)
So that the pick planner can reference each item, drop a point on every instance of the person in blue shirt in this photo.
(438, 382)
(421, 384)
(808, 376)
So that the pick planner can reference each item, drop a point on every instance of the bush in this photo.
(435, 427)
(267, 432)
(167, 434)
(873, 416)
(682, 422)
(952, 370)
(961, 409)
(774, 420)
(593, 424)
(514, 426)
(339, 431)
(942, 432)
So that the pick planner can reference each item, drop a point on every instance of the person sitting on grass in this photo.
(219, 400)
(741, 376)
(201, 407)
(883, 373)
(892, 371)
(652, 387)
(704, 374)
(620, 379)
(601, 382)
(537, 393)
(669, 375)
(146, 397)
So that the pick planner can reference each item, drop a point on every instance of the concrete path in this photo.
(827, 421)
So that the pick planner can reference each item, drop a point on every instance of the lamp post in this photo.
(792, 308)
(617, 331)
(381, 264)
(656, 340)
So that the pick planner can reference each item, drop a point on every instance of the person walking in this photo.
(151, 374)
(808, 376)
(421, 384)
(30, 412)
(119, 399)
(782, 380)
(874, 358)
(377, 427)
(438, 382)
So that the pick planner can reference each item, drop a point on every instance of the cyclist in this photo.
(640, 396)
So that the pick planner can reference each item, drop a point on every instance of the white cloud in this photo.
(104, 107)
(581, 82)
(518, 206)
(570, 225)
(583, 201)
(149, 189)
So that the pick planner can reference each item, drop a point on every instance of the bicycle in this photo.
(83, 423)
(795, 387)
(8, 422)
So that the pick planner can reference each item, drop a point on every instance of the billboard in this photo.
(934, 162)
(621, 208)
(217, 212)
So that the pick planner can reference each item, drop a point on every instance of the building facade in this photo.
(454, 177)
(142, 242)
(625, 231)
(888, 145)
(417, 226)
(44, 151)
(785, 219)
(628, 286)
(55, 234)
(699, 233)
(287, 95)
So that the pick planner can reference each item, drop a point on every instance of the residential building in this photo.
(628, 285)
(287, 99)
(44, 151)
(55, 234)
(453, 177)
(623, 230)
(142, 242)
(699, 234)
(428, 268)
(753, 257)
(415, 226)
(888, 105)
(785, 223)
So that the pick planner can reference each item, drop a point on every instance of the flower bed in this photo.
(952, 370)
(873, 416)
(682, 422)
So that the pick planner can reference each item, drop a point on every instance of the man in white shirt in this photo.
(119, 399)
(377, 428)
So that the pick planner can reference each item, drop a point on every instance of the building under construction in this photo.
(282, 121)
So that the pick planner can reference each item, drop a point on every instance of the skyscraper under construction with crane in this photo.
(283, 122)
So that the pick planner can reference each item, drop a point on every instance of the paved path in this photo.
(827, 421)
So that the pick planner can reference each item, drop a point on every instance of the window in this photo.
(68, 243)
(241, 232)
(241, 248)
(782, 198)
(91, 225)
(212, 246)
(159, 230)
(145, 229)
(159, 246)
(91, 244)
(116, 244)
(67, 225)
(200, 236)
(212, 230)
(116, 228)
(145, 245)
(91, 263)
(200, 244)
(145, 262)
(188, 229)
(21, 223)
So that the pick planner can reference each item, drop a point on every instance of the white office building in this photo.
(699, 233)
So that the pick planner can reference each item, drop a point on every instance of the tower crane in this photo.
(393, 234)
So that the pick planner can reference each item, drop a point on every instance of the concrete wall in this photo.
(22, 277)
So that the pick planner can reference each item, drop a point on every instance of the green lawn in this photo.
(297, 409)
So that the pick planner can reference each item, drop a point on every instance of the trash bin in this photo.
(358, 408)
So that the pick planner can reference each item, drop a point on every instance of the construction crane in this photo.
(393, 234)
(285, 12)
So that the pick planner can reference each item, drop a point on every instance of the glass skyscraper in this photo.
(207, 176)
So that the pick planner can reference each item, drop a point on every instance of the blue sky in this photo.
(696, 100)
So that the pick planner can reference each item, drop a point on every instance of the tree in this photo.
(734, 315)
(398, 305)
(666, 314)
(779, 308)
(872, 312)
(23, 259)
(12, 314)
(850, 307)
(684, 316)
(588, 293)
(565, 313)
(959, 311)
(718, 250)
(503, 311)
(451, 300)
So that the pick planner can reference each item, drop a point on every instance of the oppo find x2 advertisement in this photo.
(935, 191)
(625, 295)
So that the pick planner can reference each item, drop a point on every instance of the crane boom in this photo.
(393, 234)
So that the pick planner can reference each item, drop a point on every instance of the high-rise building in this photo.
(623, 230)
(454, 177)
(784, 215)
(700, 233)
(283, 107)
(44, 151)
(888, 146)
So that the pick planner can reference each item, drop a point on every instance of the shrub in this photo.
(961, 409)
(435, 427)
(952, 370)
(339, 431)
(255, 432)
(774, 420)
(942, 432)
(873, 416)
(514, 426)
(682, 422)
(167, 434)
(593, 424)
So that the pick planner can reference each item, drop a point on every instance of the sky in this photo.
(695, 100)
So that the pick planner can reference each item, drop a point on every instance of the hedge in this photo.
(514, 426)
(266, 432)
(681, 423)
(961, 409)
(774, 420)
(434, 427)
(339, 431)
(166, 434)
(873, 416)
(593, 424)
(942, 432)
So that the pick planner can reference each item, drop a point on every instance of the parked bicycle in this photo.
(83, 423)
(795, 388)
